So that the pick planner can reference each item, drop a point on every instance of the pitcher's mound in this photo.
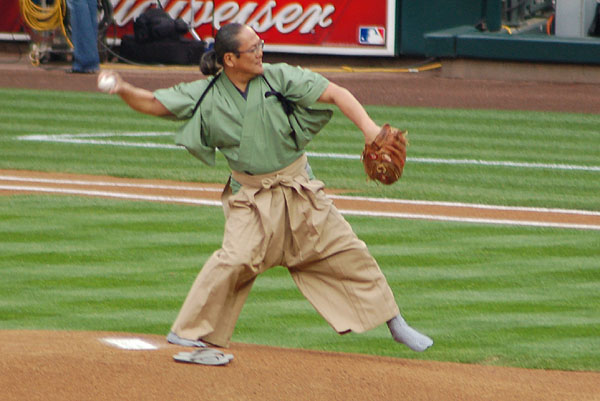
(54, 365)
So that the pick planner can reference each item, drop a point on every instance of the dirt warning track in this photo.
(19, 181)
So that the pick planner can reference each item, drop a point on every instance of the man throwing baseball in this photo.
(260, 118)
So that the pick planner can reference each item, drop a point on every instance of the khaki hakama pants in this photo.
(284, 218)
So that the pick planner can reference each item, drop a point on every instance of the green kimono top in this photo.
(254, 134)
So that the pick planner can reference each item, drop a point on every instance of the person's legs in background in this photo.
(83, 17)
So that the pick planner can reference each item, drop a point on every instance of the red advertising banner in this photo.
(343, 27)
(10, 18)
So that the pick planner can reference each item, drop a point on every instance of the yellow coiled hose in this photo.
(46, 18)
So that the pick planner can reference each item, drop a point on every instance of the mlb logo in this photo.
(371, 35)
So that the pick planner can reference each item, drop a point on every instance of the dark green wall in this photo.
(446, 28)
(417, 17)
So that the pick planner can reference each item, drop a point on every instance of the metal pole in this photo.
(192, 14)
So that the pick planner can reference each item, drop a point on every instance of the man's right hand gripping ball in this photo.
(384, 158)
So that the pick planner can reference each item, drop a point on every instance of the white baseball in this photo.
(107, 83)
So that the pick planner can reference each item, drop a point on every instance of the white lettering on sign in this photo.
(284, 19)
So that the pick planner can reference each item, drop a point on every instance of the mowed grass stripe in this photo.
(499, 285)
(533, 136)
(99, 267)
(492, 295)
(530, 137)
(485, 294)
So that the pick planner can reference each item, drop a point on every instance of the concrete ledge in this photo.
(528, 47)
(443, 43)
(468, 42)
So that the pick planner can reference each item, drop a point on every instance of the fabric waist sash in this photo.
(268, 180)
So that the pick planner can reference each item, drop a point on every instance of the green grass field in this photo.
(496, 295)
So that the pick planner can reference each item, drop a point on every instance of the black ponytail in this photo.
(208, 63)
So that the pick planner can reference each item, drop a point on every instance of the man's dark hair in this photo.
(226, 40)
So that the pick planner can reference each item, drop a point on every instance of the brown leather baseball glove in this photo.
(384, 158)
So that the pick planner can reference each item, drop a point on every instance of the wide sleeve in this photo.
(303, 88)
(181, 100)
(300, 85)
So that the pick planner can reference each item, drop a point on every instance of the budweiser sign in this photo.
(261, 17)
(288, 26)
(343, 27)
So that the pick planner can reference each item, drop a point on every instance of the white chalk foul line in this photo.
(341, 197)
(109, 194)
(471, 162)
(108, 184)
(88, 139)
(472, 220)
(468, 205)
(203, 202)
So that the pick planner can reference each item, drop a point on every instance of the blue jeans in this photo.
(84, 34)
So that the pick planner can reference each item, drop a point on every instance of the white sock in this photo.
(405, 334)
(175, 339)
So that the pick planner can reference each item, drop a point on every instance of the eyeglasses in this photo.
(254, 49)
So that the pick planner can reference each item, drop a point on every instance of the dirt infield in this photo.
(44, 365)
